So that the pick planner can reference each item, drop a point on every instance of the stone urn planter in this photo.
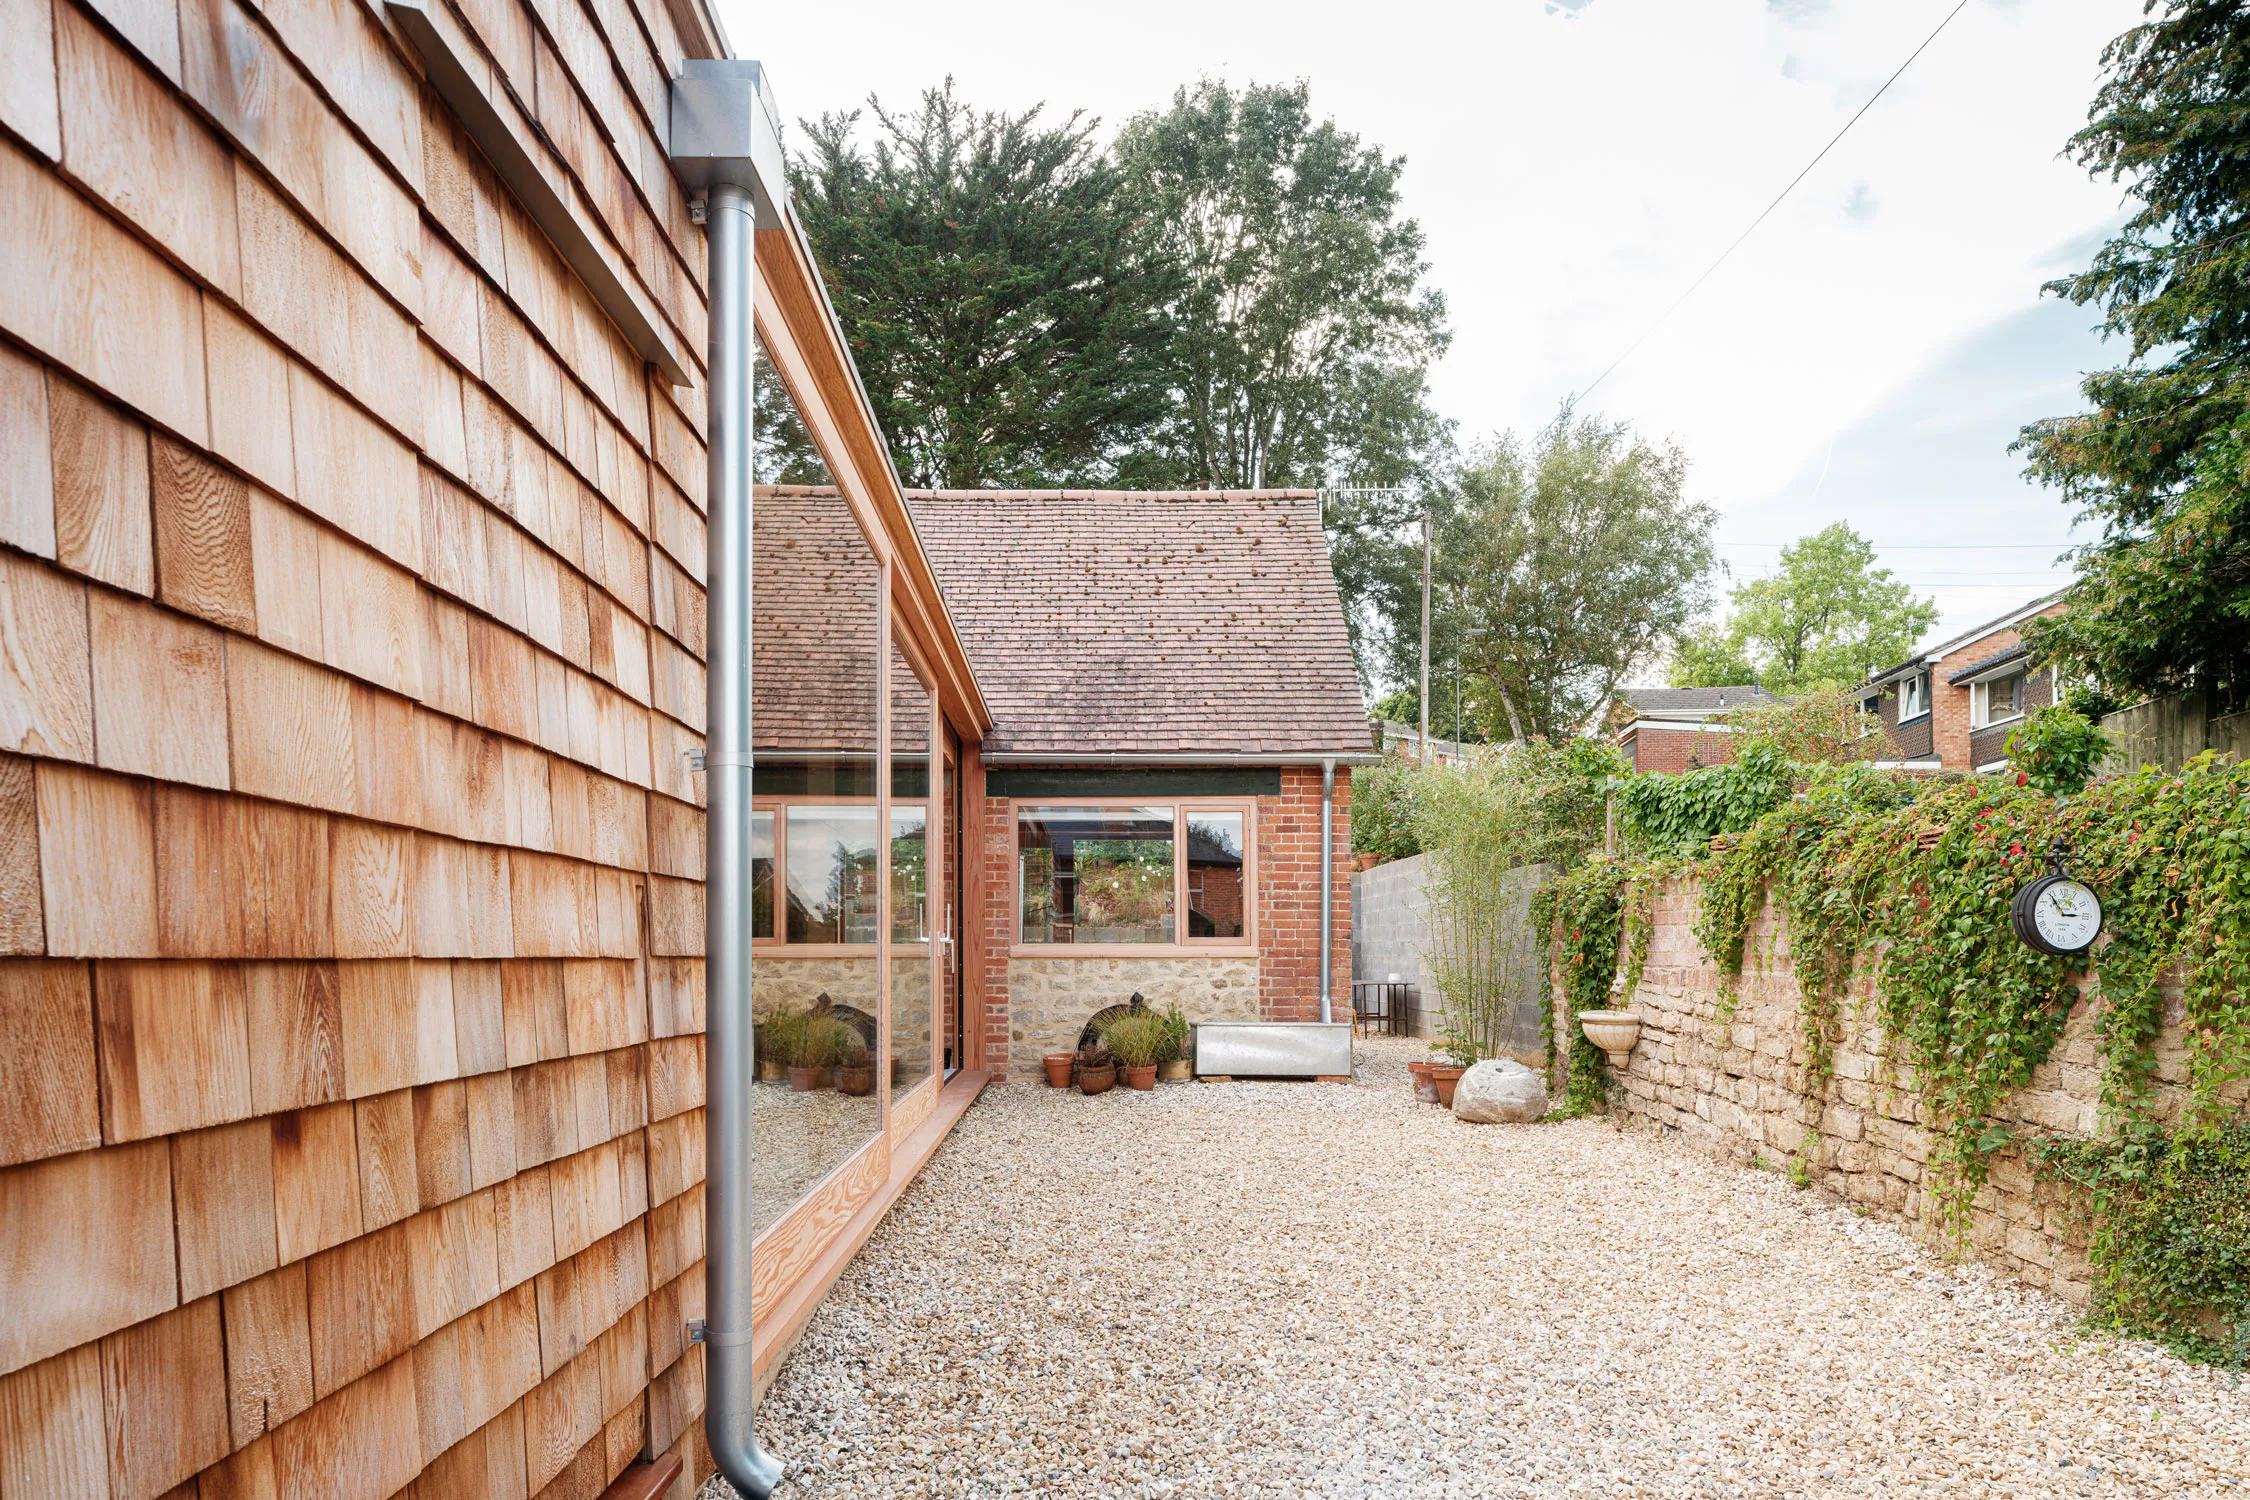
(1614, 1031)
(857, 1081)
(1178, 1070)
(1424, 1089)
(1058, 1069)
(1097, 1080)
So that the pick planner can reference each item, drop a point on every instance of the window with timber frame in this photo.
(1097, 873)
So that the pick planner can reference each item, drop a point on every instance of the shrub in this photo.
(1682, 814)
(2057, 750)
(1383, 810)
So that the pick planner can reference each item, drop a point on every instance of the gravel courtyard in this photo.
(1314, 1290)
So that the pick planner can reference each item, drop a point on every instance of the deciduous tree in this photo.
(1823, 618)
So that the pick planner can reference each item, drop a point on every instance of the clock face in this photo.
(2068, 916)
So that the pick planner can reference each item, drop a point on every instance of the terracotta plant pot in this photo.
(1614, 1031)
(1142, 1078)
(1097, 1080)
(1370, 861)
(1058, 1069)
(805, 1080)
(1445, 1079)
(857, 1082)
(770, 1070)
(1424, 1089)
(1178, 1070)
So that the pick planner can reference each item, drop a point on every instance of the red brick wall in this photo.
(1669, 751)
(1289, 898)
(1288, 889)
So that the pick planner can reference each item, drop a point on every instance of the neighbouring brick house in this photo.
(1166, 674)
(1669, 730)
(1952, 706)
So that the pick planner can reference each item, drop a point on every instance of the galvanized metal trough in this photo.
(1272, 1049)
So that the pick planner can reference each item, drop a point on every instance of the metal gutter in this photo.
(453, 70)
(726, 144)
(1181, 758)
(1327, 889)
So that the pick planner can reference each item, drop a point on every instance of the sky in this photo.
(1867, 355)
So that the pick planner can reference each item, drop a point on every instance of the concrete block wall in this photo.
(1740, 1090)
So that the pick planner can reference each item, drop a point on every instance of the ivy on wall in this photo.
(1904, 886)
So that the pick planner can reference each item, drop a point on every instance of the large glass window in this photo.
(910, 874)
(832, 867)
(1216, 888)
(1097, 874)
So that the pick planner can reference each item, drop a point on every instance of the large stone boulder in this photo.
(1500, 1091)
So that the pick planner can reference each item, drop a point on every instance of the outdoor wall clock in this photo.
(2055, 913)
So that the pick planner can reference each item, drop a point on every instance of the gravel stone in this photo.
(1314, 1290)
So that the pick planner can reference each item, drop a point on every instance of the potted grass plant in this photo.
(1097, 1070)
(771, 1069)
(809, 1041)
(1175, 1066)
(1137, 1041)
(855, 1065)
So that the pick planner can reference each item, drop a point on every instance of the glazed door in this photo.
(949, 913)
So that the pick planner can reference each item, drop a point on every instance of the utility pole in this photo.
(1427, 530)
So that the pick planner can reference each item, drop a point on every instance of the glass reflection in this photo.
(913, 994)
(1095, 874)
(816, 843)
(1214, 874)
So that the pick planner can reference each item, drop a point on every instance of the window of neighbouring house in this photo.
(761, 875)
(831, 864)
(1913, 696)
(1216, 868)
(1997, 700)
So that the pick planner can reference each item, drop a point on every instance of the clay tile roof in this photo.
(1148, 622)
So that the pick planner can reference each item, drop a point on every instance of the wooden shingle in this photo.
(102, 520)
(316, 1196)
(85, 1248)
(203, 554)
(97, 863)
(160, 692)
(50, 1101)
(23, 923)
(173, 1045)
(27, 479)
(51, 1437)
(296, 1035)
(164, 1400)
(222, 1194)
(269, 1352)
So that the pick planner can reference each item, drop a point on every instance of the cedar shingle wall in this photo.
(350, 642)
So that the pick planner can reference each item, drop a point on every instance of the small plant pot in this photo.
(805, 1080)
(1445, 1078)
(771, 1071)
(857, 1082)
(1178, 1070)
(1142, 1078)
(1097, 1080)
(1370, 861)
(1058, 1066)
(1424, 1089)
(1614, 1031)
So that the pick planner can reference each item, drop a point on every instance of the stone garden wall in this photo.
(1738, 1090)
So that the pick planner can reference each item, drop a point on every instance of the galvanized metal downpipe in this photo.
(728, 1065)
(1327, 889)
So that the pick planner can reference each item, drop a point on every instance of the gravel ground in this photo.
(1313, 1290)
(801, 1139)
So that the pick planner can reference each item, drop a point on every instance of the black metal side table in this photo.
(1379, 1002)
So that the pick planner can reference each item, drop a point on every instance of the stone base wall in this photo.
(1740, 1090)
(1051, 999)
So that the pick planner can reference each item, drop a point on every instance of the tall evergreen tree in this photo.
(1007, 307)
(2162, 461)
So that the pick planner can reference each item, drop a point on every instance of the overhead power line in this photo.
(1769, 208)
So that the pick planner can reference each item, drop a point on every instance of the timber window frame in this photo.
(1182, 811)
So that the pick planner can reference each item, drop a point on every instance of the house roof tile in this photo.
(1140, 622)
